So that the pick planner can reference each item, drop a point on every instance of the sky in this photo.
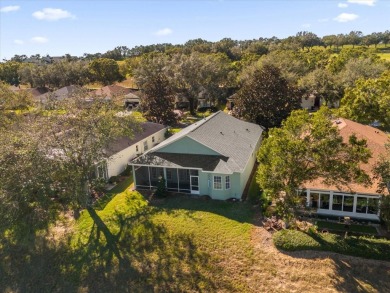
(86, 26)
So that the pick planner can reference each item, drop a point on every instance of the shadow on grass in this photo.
(137, 255)
(352, 274)
(241, 212)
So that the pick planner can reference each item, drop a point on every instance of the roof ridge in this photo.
(203, 120)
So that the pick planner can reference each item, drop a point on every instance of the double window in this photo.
(217, 182)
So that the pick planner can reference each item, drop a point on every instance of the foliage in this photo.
(9, 72)
(265, 97)
(368, 101)
(308, 147)
(54, 156)
(322, 84)
(292, 240)
(105, 71)
(14, 100)
(161, 190)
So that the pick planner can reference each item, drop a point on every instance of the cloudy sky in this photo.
(77, 27)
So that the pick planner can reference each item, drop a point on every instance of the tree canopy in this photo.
(265, 97)
(308, 147)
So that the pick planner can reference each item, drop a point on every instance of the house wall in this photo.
(206, 182)
(187, 145)
(307, 103)
(117, 163)
(328, 210)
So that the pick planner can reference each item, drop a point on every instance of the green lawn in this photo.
(364, 229)
(292, 240)
(178, 244)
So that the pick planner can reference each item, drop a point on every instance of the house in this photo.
(214, 156)
(313, 103)
(35, 92)
(132, 100)
(110, 91)
(354, 200)
(60, 94)
(124, 149)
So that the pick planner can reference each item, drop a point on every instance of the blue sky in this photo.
(77, 27)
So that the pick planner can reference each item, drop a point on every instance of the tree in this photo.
(265, 97)
(322, 84)
(105, 71)
(308, 147)
(47, 162)
(308, 39)
(357, 68)
(354, 38)
(9, 72)
(382, 174)
(368, 101)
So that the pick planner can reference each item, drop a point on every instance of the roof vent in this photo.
(221, 132)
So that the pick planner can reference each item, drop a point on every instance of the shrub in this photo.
(161, 190)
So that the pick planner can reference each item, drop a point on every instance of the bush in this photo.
(161, 190)
(113, 179)
(367, 247)
(128, 171)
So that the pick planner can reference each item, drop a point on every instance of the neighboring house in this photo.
(110, 91)
(35, 92)
(181, 102)
(124, 149)
(214, 156)
(60, 94)
(354, 200)
(313, 103)
(132, 100)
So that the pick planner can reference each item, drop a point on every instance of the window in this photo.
(145, 145)
(152, 138)
(217, 182)
(348, 203)
(337, 202)
(136, 148)
(324, 201)
(227, 182)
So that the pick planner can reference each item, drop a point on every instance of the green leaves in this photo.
(308, 147)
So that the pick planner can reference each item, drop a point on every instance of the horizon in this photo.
(57, 28)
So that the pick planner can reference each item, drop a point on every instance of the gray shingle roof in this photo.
(232, 138)
(148, 128)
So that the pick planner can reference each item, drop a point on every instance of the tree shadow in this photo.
(134, 255)
(351, 273)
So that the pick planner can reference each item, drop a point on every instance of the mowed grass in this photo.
(178, 244)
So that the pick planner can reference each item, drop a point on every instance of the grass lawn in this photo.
(292, 240)
(119, 188)
(364, 229)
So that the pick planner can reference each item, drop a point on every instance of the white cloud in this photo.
(306, 25)
(9, 8)
(342, 5)
(363, 2)
(39, 40)
(52, 14)
(164, 32)
(345, 17)
(19, 42)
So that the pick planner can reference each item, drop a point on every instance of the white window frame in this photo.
(215, 182)
(227, 182)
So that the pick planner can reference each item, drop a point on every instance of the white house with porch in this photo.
(355, 200)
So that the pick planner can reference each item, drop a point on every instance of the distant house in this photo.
(354, 200)
(60, 94)
(313, 103)
(132, 100)
(110, 91)
(124, 149)
(181, 102)
(214, 156)
(35, 92)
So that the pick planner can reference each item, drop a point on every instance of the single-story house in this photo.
(124, 149)
(355, 200)
(60, 94)
(313, 102)
(132, 100)
(214, 156)
(110, 91)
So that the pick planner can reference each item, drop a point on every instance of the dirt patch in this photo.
(312, 271)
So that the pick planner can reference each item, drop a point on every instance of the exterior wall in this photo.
(307, 103)
(117, 163)
(187, 145)
(206, 182)
(340, 213)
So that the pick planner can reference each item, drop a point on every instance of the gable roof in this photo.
(230, 137)
(376, 140)
(61, 93)
(147, 129)
(112, 90)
